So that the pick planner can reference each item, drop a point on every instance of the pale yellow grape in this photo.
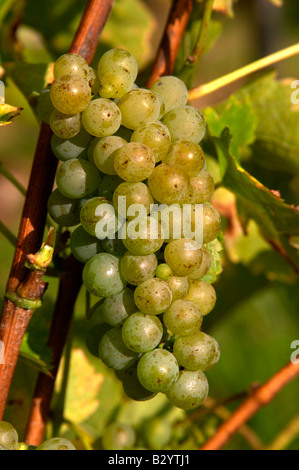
(139, 106)
(179, 286)
(169, 184)
(156, 136)
(134, 162)
(185, 122)
(70, 94)
(103, 153)
(183, 318)
(211, 223)
(202, 187)
(71, 64)
(142, 236)
(64, 125)
(203, 267)
(134, 193)
(203, 294)
(182, 256)
(116, 83)
(153, 296)
(186, 154)
(101, 118)
(137, 269)
(172, 90)
(115, 58)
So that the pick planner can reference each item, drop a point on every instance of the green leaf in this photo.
(29, 78)
(34, 350)
(215, 248)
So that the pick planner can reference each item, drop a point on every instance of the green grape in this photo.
(183, 318)
(142, 236)
(164, 272)
(183, 256)
(203, 294)
(134, 193)
(190, 391)
(115, 58)
(70, 94)
(101, 275)
(134, 162)
(65, 126)
(118, 436)
(67, 149)
(169, 184)
(101, 118)
(202, 187)
(8, 436)
(77, 178)
(104, 151)
(157, 433)
(94, 335)
(202, 269)
(133, 388)
(196, 352)
(186, 154)
(97, 217)
(172, 90)
(44, 107)
(179, 287)
(117, 308)
(154, 135)
(115, 83)
(153, 296)
(142, 333)
(108, 185)
(56, 443)
(114, 246)
(113, 351)
(64, 211)
(71, 64)
(158, 370)
(83, 245)
(185, 122)
(211, 223)
(137, 269)
(139, 106)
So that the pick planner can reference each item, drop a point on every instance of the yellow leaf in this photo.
(7, 113)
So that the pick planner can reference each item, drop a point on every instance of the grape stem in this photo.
(215, 85)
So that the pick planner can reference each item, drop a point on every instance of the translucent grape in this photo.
(133, 388)
(164, 272)
(71, 64)
(183, 256)
(67, 149)
(113, 351)
(115, 58)
(117, 308)
(153, 296)
(70, 94)
(141, 332)
(83, 245)
(211, 223)
(118, 436)
(169, 184)
(134, 193)
(202, 187)
(202, 269)
(142, 236)
(44, 107)
(203, 294)
(134, 162)
(104, 151)
(101, 275)
(64, 125)
(101, 118)
(97, 217)
(158, 370)
(64, 211)
(183, 317)
(116, 83)
(56, 443)
(190, 391)
(154, 135)
(137, 269)
(139, 106)
(185, 122)
(8, 436)
(172, 90)
(77, 178)
(179, 287)
(196, 352)
(186, 154)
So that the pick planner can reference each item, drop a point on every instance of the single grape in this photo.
(65, 126)
(142, 236)
(127, 195)
(56, 443)
(108, 185)
(203, 294)
(172, 90)
(101, 275)
(134, 162)
(183, 318)
(115, 58)
(185, 122)
(77, 178)
(179, 287)
(187, 155)
(154, 135)
(101, 118)
(44, 107)
(183, 256)
(137, 269)
(169, 184)
(141, 332)
(98, 218)
(202, 269)
(211, 223)
(67, 149)
(190, 391)
(158, 370)
(70, 94)
(164, 272)
(71, 64)
(202, 187)
(117, 308)
(8, 436)
(113, 351)
(133, 388)
(115, 83)
(64, 211)
(196, 352)
(104, 151)
(157, 433)
(139, 106)
(83, 245)
(118, 436)
(153, 296)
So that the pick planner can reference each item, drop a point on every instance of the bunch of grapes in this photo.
(129, 155)
(9, 440)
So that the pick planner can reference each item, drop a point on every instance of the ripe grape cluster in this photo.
(128, 155)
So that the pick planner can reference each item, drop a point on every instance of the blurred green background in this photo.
(256, 317)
